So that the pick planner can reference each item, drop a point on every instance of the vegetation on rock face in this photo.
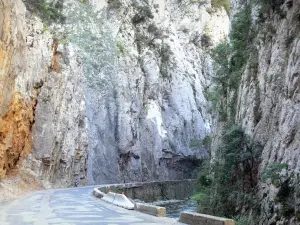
(231, 59)
(49, 12)
(84, 1)
(121, 47)
(221, 3)
(204, 143)
(272, 172)
(229, 183)
(216, 4)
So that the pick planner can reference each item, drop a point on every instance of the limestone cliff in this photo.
(268, 101)
(105, 91)
(40, 107)
(269, 105)
(16, 111)
(150, 100)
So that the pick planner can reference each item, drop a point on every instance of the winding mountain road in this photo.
(75, 206)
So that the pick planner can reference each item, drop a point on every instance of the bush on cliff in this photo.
(49, 12)
(228, 184)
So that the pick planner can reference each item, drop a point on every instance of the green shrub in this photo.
(271, 5)
(200, 143)
(144, 12)
(64, 41)
(121, 47)
(289, 40)
(239, 38)
(196, 197)
(195, 143)
(48, 12)
(114, 4)
(206, 142)
(217, 4)
(230, 60)
(45, 28)
(241, 220)
(206, 40)
(228, 184)
(272, 172)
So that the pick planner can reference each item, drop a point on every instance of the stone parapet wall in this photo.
(154, 191)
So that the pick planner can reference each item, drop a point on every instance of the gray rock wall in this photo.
(156, 105)
(117, 88)
(44, 129)
(269, 103)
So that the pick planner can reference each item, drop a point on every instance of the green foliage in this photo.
(198, 143)
(290, 40)
(165, 55)
(114, 4)
(196, 197)
(241, 221)
(272, 172)
(239, 37)
(212, 95)
(45, 28)
(230, 60)
(205, 180)
(221, 56)
(228, 184)
(206, 142)
(217, 4)
(121, 47)
(271, 5)
(48, 11)
(206, 40)
(84, 1)
(144, 12)
(195, 143)
(219, 91)
(64, 41)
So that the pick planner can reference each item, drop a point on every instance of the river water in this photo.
(175, 208)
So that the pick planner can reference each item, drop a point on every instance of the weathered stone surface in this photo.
(40, 85)
(128, 107)
(153, 191)
(198, 219)
(59, 132)
(15, 133)
(12, 46)
(151, 209)
(16, 111)
(152, 104)
(269, 103)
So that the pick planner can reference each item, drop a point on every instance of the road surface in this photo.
(75, 206)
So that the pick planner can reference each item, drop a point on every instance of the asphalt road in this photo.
(75, 206)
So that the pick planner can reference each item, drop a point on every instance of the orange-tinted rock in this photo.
(16, 116)
(56, 57)
(15, 133)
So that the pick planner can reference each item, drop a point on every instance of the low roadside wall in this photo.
(154, 191)
(151, 209)
(161, 190)
(198, 219)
